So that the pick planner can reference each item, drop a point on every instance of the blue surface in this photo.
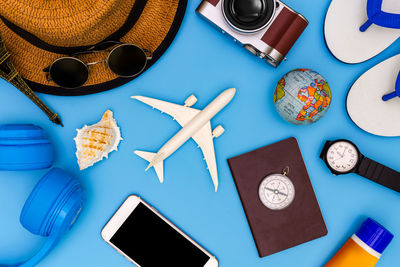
(204, 62)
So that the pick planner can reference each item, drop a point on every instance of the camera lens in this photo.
(249, 15)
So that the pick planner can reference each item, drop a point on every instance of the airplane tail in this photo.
(154, 161)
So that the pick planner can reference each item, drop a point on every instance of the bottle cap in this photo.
(374, 235)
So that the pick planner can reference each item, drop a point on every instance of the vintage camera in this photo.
(266, 28)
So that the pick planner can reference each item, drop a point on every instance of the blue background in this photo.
(204, 62)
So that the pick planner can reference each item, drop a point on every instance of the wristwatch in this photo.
(343, 157)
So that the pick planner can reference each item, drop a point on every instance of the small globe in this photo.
(302, 96)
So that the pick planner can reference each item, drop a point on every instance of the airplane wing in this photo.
(183, 115)
(204, 139)
(180, 113)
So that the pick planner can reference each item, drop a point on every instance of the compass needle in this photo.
(276, 191)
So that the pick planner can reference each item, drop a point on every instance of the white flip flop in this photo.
(365, 104)
(342, 31)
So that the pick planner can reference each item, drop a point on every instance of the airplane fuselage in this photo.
(193, 126)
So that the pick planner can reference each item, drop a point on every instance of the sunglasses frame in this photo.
(48, 71)
(148, 54)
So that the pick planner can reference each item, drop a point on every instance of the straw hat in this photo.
(37, 32)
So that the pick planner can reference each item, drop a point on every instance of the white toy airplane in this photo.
(195, 124)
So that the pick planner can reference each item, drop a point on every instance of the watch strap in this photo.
(379, 173)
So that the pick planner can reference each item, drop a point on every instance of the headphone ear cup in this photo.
(43, 204)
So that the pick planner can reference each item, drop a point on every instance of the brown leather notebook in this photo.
(277, 197)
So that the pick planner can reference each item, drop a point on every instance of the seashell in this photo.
(95, 142)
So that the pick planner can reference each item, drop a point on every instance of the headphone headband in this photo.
(51, 209)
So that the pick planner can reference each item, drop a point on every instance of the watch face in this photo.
(342, 156)
(276, 191)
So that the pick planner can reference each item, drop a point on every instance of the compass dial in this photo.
(342, 156)
(276, 191)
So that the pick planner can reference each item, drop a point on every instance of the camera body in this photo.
(266, 28)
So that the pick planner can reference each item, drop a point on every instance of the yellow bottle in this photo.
(364, 248)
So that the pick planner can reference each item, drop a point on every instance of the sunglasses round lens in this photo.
(127, 60)
(69, 72)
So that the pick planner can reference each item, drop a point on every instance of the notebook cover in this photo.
(277, 230)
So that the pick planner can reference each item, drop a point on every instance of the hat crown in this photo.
(34, 39)
(68, 23)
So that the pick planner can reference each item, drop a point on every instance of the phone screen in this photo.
(150, 241)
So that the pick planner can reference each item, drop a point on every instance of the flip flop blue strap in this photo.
(394, 94)
(378, 17)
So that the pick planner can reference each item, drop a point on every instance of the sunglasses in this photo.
(124, 60)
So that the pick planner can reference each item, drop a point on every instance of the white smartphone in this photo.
(148, 239)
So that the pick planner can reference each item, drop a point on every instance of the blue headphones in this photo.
(57, 199)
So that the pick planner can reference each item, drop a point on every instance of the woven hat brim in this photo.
(101, 78)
